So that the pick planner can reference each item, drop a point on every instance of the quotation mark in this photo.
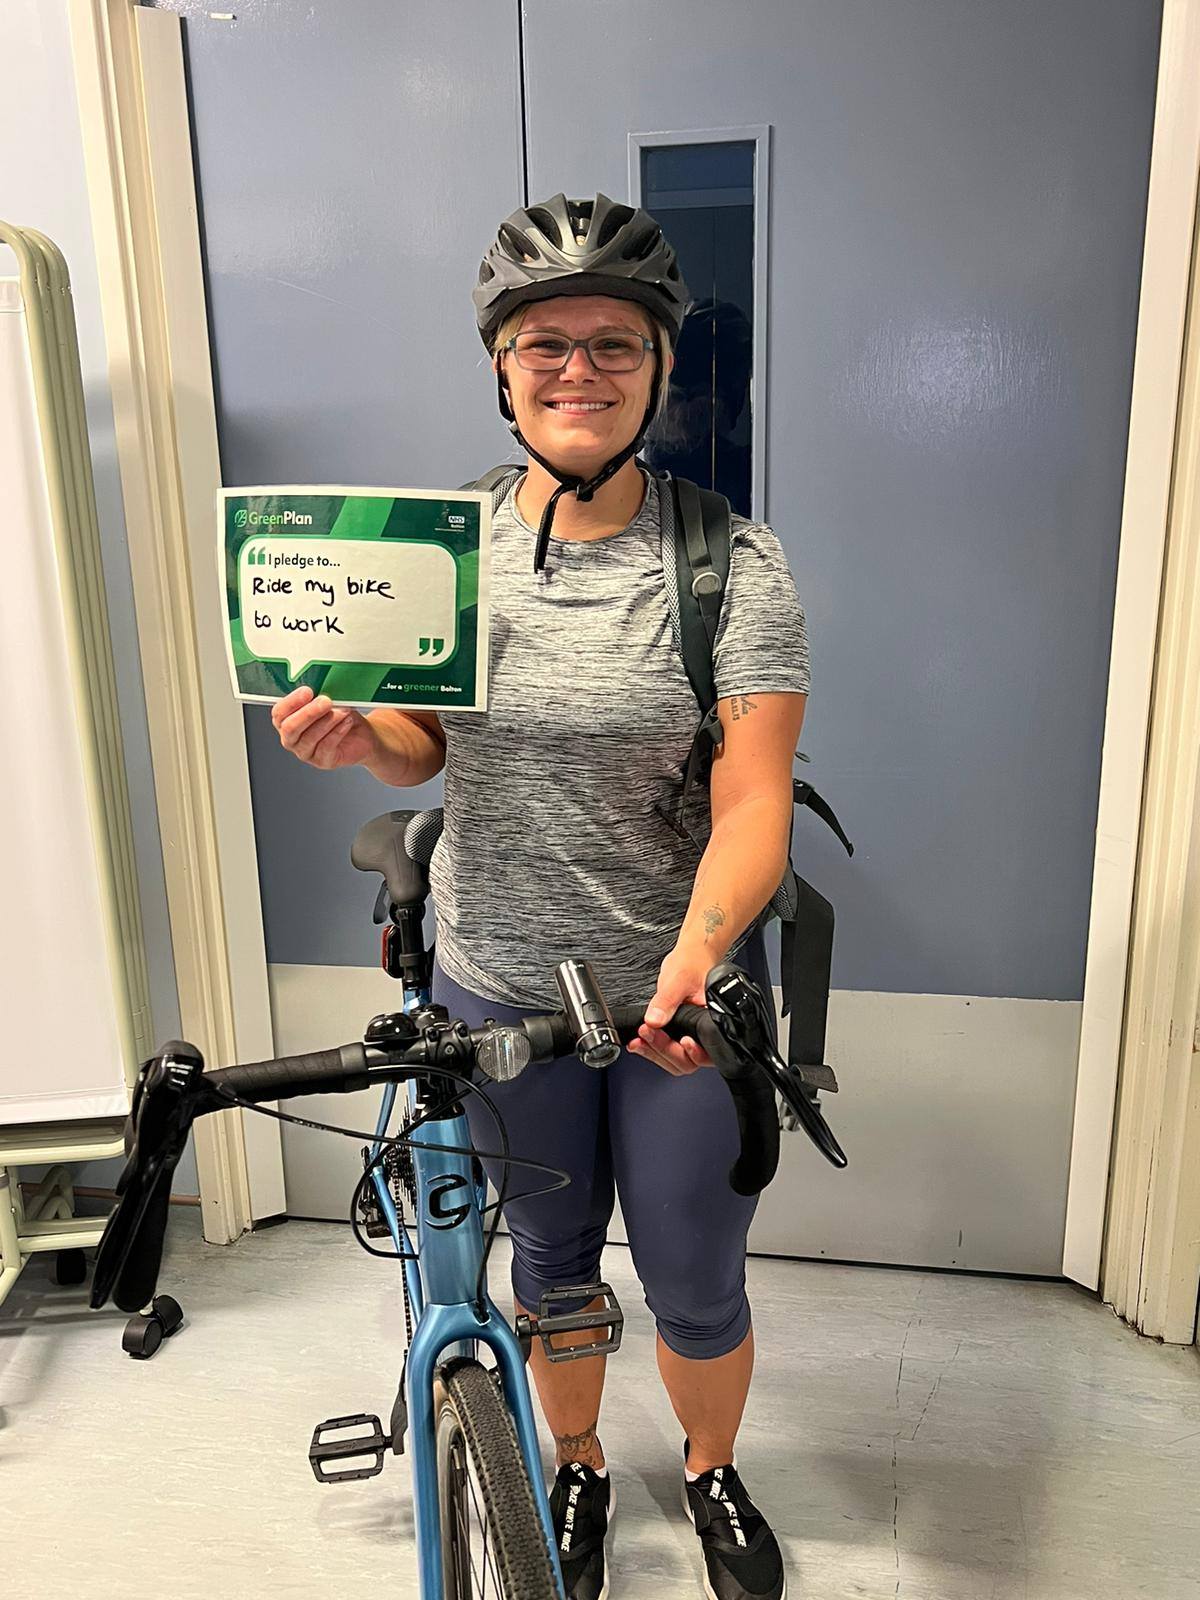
(241, 518)
(438, 645)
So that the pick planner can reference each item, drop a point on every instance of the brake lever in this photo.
(739, 1009)
(160, 1117)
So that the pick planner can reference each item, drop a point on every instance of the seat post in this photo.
(404, 955)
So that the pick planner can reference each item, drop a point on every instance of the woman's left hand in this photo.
(681, 979)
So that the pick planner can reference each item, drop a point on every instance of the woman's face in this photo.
(579, 418)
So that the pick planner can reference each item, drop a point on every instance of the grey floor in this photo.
(909, 1434)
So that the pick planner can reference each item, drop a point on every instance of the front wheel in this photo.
(493, 1543)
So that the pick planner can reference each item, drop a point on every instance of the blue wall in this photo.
(957, 208)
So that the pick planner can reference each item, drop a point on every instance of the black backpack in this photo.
(699, 554)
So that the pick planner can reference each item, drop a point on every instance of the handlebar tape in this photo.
(340, 1070)
(345, 1068)
(141, 1248)
(751, 1091)
(131, 1250)
(130, 1253)
(753, 1100)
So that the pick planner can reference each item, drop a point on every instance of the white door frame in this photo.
(137, 148)
(1151, 1272)
(1162, 315)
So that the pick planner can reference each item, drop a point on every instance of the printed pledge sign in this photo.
(371, 596)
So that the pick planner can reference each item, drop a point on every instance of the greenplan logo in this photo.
(242, 518)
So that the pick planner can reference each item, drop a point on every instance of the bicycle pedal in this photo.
(348, 1447)
(547, 1324)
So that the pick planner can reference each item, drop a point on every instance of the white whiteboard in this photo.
(60, 1049)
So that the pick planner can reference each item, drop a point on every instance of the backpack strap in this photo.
(806, 954)
(702, 538)
(702, 543)
(703, 535)
(497, 481)
(803, 794)
(806, 958)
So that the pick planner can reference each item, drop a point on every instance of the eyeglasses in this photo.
(607, 352)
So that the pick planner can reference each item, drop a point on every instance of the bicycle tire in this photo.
(493, 1542)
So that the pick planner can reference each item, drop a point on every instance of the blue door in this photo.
(914, 233)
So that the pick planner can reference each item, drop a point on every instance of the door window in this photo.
(702, 195)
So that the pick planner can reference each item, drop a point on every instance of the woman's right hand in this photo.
(320, 733)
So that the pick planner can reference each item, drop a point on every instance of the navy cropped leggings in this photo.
(663, 1144)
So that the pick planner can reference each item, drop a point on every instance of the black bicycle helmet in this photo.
(578, 247)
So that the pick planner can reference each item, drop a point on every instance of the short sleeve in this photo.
(762, 641)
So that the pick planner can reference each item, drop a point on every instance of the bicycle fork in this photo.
(451, 1319)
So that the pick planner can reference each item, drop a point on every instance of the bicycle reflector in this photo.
(504, 1053)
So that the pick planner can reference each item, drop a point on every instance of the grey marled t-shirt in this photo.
(561, 800)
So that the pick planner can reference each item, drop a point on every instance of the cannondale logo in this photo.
(441, 1215)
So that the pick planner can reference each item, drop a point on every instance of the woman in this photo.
(563, 836)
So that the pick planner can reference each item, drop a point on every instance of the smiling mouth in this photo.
(572, 408)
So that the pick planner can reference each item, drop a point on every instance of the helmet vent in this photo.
(515, 243)
(579, 218)
(611, 224)
(547, 222)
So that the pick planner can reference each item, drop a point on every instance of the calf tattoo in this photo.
(582, 1447)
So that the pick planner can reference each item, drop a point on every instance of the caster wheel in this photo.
(169, 1312)
(142, 1337)
(70, 1267)
(145, 1332)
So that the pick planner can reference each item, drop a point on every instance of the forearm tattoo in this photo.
(741, 706)
(714, 918)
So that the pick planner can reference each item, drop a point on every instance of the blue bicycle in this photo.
(482, 1518)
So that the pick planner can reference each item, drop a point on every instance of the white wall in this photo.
(42, 185)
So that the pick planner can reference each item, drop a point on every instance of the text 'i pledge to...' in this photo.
(320, 599)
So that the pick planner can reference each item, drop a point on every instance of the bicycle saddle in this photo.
(390, 845)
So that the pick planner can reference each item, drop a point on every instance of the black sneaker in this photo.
(582, 1504)
(742, 1560)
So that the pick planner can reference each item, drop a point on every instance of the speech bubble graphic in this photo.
(386, 601)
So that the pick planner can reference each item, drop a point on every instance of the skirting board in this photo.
(955, 1112)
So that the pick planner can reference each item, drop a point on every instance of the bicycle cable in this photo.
(504, 1157)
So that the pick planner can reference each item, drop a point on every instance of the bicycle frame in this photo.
(441, 1287)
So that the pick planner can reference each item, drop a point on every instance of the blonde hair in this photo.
(513, 322)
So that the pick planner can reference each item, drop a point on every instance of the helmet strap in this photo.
(567, 481)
